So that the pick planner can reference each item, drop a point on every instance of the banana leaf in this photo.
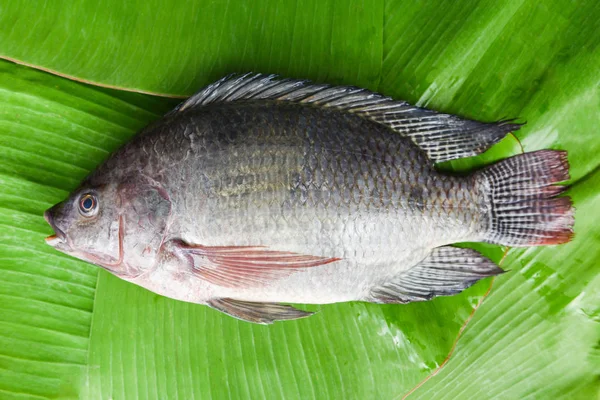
(69, 330)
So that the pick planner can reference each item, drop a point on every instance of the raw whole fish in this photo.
(259, 191)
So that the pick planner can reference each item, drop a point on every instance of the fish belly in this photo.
(372, 247)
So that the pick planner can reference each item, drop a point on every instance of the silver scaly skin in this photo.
(258, 191)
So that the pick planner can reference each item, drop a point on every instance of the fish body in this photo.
(257, 191)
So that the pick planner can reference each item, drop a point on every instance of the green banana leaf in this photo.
(69, 330)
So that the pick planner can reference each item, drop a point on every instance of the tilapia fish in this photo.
(259, 191)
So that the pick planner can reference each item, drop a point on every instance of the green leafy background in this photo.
(68, 330)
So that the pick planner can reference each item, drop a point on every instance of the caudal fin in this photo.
(525, 210)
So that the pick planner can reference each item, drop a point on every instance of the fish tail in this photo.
(525, 209)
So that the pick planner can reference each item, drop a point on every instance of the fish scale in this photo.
(259, 190)
(246, 225)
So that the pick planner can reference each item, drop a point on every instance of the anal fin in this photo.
(446, 271)
(258, 313)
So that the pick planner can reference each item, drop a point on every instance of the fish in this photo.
(259, 192)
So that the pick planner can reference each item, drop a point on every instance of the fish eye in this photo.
(88, 205)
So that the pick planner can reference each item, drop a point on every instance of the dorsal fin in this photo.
(442, 136)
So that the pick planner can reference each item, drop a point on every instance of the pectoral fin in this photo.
(258, 313)
(448, 270)
(242, 266)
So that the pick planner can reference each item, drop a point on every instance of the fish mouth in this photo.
(59, 237)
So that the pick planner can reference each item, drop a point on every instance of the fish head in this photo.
(86, 225)
(118, 227)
